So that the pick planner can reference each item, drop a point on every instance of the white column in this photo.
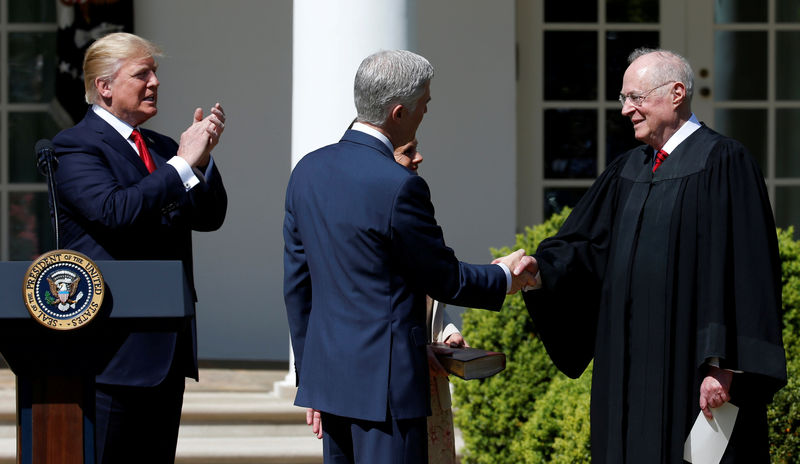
(330, 38)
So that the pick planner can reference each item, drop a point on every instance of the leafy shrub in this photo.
(531, 413)
(558, 429)
(784, 412)
(784, 418)
(492, 412)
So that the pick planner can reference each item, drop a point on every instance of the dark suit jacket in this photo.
(111, 208)
(362, 248)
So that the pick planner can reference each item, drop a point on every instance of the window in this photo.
(571, 125)
(571, 59)
(756, 89)
(27, 88)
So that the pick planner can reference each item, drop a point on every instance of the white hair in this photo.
(670, 67)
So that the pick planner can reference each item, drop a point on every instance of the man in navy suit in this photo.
(362, 249)
(127, 193)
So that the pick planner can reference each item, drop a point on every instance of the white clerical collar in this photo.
(118, 124)
(369, 130)
(682, 134)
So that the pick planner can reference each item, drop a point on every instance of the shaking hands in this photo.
(523, 270)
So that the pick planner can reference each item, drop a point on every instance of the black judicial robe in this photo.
(651, 275)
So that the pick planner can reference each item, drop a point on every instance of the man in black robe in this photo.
(667, 274)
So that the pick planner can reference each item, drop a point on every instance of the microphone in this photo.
(45, 156)
(47, 163)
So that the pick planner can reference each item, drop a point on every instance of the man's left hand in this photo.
(714, 391)
(202, 136)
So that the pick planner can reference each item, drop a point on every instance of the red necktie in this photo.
(660, 157)
(144, 153)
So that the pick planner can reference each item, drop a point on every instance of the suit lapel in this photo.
(116, 142)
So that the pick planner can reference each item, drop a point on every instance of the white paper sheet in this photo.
(708, 438)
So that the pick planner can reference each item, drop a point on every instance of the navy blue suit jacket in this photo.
(362, 249)
(111, 208)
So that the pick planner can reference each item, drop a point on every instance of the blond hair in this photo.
(105, 56)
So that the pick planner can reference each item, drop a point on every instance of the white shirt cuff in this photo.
(508, 275)
(187, 174)
(535, 286)
(449, 329)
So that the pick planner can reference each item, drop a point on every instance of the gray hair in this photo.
(388, 78)
(670, 67)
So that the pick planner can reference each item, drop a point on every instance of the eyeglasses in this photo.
(637, 99)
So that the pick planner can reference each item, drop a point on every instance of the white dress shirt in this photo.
(189, 176)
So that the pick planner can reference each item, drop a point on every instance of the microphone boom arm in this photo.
(47, 164)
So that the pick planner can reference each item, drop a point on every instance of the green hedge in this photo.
(531, 413)
(784, 412)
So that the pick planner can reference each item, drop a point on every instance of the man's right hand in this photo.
(523, 270)
(314, 419)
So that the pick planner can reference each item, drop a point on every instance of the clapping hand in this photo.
(202, 136)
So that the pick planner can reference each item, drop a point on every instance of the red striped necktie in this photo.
(660, 157)
(144, 153)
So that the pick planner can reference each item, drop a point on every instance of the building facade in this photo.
(524, 115)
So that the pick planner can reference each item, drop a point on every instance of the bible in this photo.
(470, 363)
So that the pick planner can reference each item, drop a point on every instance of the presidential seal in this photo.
(63, 289)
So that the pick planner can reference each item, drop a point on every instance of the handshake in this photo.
(524, 270)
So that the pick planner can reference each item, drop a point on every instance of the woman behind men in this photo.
(441, 440)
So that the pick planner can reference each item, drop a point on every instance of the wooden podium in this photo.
(55, 369)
